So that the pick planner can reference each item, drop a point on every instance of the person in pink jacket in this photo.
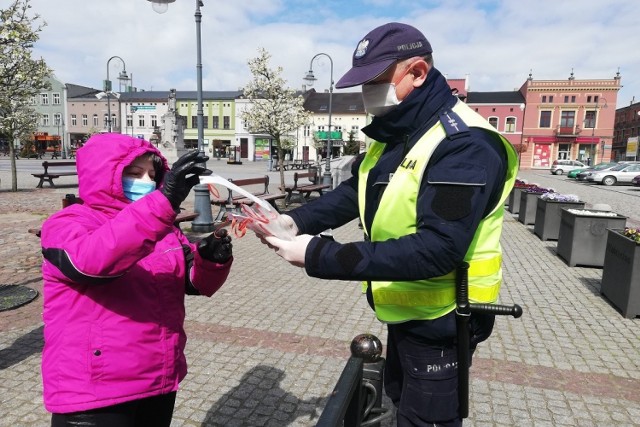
(116, 271)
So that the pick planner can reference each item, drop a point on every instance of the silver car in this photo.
(561, 166)
(623, 173)
(582, 175)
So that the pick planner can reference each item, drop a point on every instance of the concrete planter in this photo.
(528, 205)
(582, 238)
(621, 273)
(547, 222)
(514, 200)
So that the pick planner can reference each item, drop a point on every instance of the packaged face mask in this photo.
(134, 188)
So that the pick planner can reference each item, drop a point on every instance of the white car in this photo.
(561, 166)
(623, 173)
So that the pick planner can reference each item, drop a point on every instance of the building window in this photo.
(545, 119)
(590, 119)
(56, 99)
(141, 121)
(544, 98)
(566, 99)
(57, 119)
(589, 98)
(510, 125)
(194, 122)
(567, 119)
(154, 121)
(95, 120)
(114, 120)
(226, 122)
(307, 130)
(355, 129)
(493, 121)
(74, 120)
(45, 120)
(550, 98)
(44, 99)
(106, 120)
(85, 120)
(33, 100)
(205, 122)
(129, 120)
(573, 99)
(215, 122)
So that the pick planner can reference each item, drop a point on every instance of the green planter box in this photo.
(514, 200)
(528, 205)
(582, 238)
(547, 223)
(621, 273)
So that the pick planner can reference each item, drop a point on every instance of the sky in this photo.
(496, 43)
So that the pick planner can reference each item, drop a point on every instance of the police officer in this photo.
(430, 194)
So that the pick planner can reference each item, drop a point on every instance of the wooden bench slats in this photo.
(234, 201)
(49, 177)
(302, 192)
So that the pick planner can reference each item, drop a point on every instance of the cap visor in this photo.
(357, 76)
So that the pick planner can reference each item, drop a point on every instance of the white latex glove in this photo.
(291, 250)
(287, 223)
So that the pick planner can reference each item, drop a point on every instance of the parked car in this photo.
(636, 181)
(622, 173)
(584, 173)
(561, 166)
(574, 173)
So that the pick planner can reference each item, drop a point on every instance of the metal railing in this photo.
(356, 400)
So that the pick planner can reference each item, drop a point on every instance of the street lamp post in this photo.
(310, 79)
(202, 203)
(593, 128)
(107, 87)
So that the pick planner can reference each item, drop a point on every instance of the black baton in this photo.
(463, 312)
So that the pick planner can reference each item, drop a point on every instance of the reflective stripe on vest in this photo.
(399, 301)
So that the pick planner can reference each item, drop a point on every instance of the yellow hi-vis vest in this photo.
(400, 301)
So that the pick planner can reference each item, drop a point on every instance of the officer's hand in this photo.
(291, 250)
(177, 185)
(216, 247)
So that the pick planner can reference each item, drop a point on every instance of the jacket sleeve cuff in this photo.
(206, 276)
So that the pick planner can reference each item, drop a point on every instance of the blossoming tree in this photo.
(21, 76)
(276, 110)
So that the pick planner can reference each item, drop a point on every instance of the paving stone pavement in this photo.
(268, 348)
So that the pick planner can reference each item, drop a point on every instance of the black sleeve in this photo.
(462, 184)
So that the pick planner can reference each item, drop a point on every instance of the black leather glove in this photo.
(216, 247)
(177, 186)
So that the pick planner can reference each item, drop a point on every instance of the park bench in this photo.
(49, 176)
(233, 202)
(301, 192)
(72, 199)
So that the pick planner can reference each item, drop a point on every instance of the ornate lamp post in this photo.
(310, 79)
(202, 204)
(107, 87)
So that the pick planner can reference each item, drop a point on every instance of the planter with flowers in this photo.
(529, 203)
(548, 210)
(621, 271)
(514, 196)
(582, 238)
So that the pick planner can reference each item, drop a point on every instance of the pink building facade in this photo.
(547, 120)
(567, 119)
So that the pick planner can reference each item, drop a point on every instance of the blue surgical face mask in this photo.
(135, 188)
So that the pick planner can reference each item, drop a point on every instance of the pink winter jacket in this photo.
(114, 284)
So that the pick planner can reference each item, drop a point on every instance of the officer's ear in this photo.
(419, 70)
